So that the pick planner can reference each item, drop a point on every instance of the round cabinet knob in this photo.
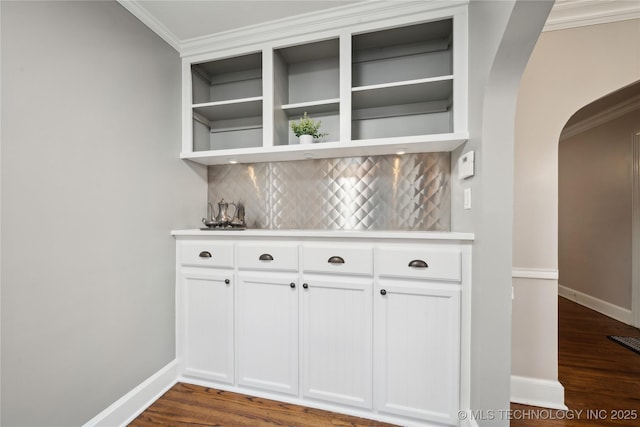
(383, 291)
(227, 281)
(293, 285)
(305, 285)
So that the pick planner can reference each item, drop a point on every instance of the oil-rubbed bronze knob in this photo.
(383, 291)
(227, 281)
(305, 285)
(293, 285)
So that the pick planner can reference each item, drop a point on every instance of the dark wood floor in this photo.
(601, 379)
(190, 405)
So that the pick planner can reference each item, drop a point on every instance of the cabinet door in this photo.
(207, 330)
(336, 336)
(267, 334)
(417, 348)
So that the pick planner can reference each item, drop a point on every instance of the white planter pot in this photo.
(306, 139)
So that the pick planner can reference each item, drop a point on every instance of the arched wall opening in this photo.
(567, 70)
(595, 204)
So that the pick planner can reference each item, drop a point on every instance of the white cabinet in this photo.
(336, 340)
(207, 325)
(417, 350)
(267, 316)
(397, 83)
(417, 332)
(373, 327)
(267, 331)
(205, 299)
(337, 323)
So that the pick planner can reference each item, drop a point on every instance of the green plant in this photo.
(307, 126)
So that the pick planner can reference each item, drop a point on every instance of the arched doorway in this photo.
(567, 70)
(595, 204)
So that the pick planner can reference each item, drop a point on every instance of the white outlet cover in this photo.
(465, 165)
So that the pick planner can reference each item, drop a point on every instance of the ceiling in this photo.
(178, 21)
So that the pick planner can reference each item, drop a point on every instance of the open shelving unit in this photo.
(383, 88)
(307, 79)
(227, 103)
(403, 81)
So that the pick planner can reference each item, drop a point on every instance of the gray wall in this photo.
(501, 38)
(594, 210)
(91, 186)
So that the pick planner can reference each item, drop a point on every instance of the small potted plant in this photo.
(306, 129)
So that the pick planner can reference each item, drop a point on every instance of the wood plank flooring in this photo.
(599, 376)
(190, 405)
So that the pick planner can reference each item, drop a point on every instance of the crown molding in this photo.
(312, 23)
(299, 25)
(611, 113)
(579, 13)
(150, 21)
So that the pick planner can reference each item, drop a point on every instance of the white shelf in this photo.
(323, 150)
(312, 107)
(232, 109)
(399, 93)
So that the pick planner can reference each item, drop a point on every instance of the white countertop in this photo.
(409, 235)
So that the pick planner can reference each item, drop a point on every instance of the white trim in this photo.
(469, 421)
(537, 392)
(615, 312)
(150, 21)
(534, 273)
(579, 13)
(602, 117)
(132, 404)
(635, 230)
(311, 24)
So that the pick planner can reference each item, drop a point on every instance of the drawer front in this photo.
(338, 259)
(207, 254)
(418, 262)
(268, 256)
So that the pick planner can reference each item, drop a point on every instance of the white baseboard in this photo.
(468, 421)
(132, 404)
(621, 314)
(537, 392)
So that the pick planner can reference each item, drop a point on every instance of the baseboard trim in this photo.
(616, 312)
(132, 404)
(537, 392)
(468, 421)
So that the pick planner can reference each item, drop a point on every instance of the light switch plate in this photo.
(465, 165)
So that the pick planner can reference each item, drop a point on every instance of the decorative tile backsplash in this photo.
(408, 192)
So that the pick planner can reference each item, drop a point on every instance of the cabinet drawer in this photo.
(442, 264)
(338, 259)
(207, 254)
(268, 256)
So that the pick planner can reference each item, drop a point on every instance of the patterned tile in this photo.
(409, 192)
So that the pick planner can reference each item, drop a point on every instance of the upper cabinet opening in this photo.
(394, 84)
(227, 103)
(402, 81)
